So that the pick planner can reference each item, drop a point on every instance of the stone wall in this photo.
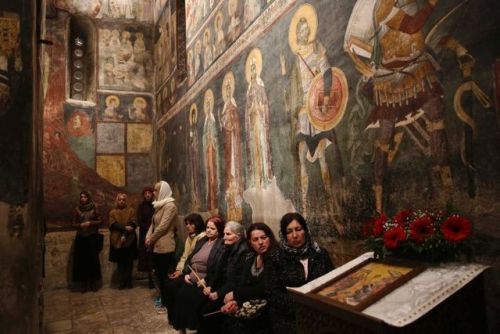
(21, 224)
(59, 263)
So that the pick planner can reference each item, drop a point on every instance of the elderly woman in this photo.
(195, 228)
(207, 251)
(86, 266)
(160, 237)
(223, 276)
(261, 240)
(298, 260)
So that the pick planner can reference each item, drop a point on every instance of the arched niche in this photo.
(81, 60)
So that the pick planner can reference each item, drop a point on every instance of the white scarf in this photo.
(164, 197)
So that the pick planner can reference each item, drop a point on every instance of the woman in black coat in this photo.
(261, 240)
(223, 277)
(298, 260)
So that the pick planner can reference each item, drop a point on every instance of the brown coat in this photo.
(118, 219)
(162, 229)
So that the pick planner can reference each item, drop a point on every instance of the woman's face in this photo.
(230, 237)
(190, 227)
(84, 199)
(295, 234)
(156, 190)
(259, 241)
(211, 230)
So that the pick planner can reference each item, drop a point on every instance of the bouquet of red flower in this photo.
(419, 235)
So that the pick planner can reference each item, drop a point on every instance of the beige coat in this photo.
(162, 229)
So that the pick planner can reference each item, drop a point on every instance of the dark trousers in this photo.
(162, 265)
(125, 272)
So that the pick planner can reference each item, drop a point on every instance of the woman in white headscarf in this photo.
(160, 237)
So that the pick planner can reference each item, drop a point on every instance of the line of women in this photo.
(228, 280)
(234, 280)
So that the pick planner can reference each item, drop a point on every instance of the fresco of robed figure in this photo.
(210, 152)
(257, 124)
(230, 125)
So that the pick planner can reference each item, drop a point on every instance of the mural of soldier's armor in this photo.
(404, 87)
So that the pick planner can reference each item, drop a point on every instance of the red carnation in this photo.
(401, 217)
(456, 228)
(421, 228)
(378, 225)
(393, 237)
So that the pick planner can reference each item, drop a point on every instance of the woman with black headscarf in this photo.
(298, 260)
(88, 243)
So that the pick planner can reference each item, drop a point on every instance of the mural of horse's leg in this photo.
(382, 150)
(434, 110)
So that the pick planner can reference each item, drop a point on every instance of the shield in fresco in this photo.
(327, 99)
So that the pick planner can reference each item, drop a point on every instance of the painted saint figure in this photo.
(111, 111)
(190, 66)
(230, 125)
(311, 60)
(194, 172)
(208, 57)
(197, 58)
(257, 124)
(138, 111)
(220, 39)
(210, 153)
(251, 11)
(234, 26)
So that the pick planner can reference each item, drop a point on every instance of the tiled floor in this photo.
(107, 311)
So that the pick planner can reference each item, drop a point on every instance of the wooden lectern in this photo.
(441, 299)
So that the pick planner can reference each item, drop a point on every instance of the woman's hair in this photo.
(86, 193)
(264, 228)
(197, 221)
(288, 218)
(236, 228)
(219, 224)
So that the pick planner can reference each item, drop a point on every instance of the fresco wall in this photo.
(100, 142)
(304, 109)
(21, 225)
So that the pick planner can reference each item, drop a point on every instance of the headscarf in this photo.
(86, 207)
(164, 196)
(309, 244)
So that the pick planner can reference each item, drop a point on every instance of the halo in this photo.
(228, 79)
(257, 55)
(112, 97)
(206, 36)
(307, 12)
(197, 45)
(209, 96)
(193, 114)
(140, 101)
(219, 17)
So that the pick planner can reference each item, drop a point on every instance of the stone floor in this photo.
(105, 311)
